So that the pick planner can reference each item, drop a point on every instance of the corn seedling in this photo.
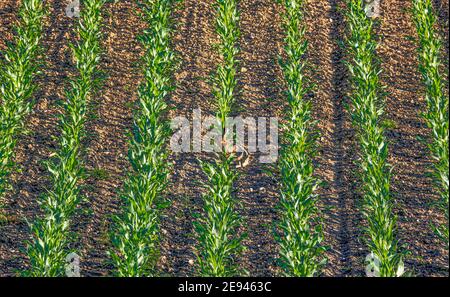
(436, 115)
(49, 247)
(135, 238)
(17, 75)
(366, 110)
(301, 233)
(216, 231)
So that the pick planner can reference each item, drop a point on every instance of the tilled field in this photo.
(260, 94)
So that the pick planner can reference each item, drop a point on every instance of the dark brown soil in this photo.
(336, 146)
(193, 42)
(260, 94)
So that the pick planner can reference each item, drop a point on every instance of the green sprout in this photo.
(366, 111)
(436, 115)
(300, 238)
(49, 247)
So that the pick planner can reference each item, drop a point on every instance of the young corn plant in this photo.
(217, 229)
(366, 110)
(436, 115)
(301, 252)
(17, 82)
(135, 236)
(49, 247)
(218, 242)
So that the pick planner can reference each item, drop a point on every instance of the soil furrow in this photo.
(336, 146)
(194, 37)
(260, 96)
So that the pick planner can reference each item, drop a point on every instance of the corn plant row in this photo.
(135, 236)
(436, 115)
(366, 111)
(301, 253)
(219, 243)
(17, 74)
(49, 247)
